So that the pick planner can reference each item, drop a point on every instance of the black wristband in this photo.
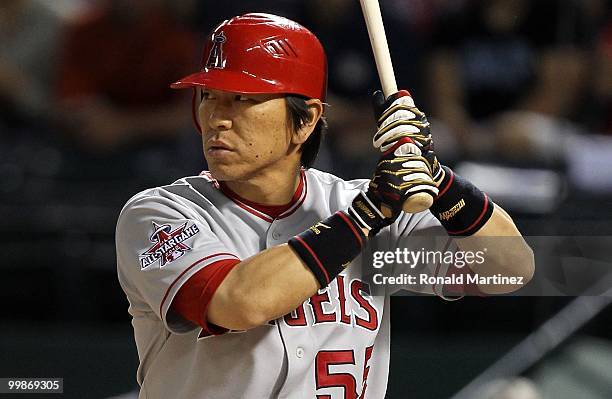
(329, 246)
(367, 215)
(460, 206)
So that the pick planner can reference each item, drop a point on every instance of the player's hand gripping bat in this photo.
(376, 30)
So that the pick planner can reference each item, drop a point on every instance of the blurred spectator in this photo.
(29, 34)
(204, 19)
(340, 27)
(115, 71)
(352, 69)
(482, 63)
(351, 80)
(501, 60)
(597, 110)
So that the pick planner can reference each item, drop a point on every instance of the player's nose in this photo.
(219, 123)
(220, 114)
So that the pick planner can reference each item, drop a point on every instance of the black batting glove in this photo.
(398, 175)
(397, 118)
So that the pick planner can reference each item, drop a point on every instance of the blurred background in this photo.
(519, 94)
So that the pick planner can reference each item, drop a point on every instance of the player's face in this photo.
(244, 134)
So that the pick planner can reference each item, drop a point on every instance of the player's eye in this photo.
(242, 97)
(206, 95)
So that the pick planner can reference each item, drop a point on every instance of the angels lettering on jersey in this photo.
(352, 305)
(345, 302)
(168, 244)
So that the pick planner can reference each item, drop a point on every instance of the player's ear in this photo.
(307, 126)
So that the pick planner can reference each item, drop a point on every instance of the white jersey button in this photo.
(276, 235)
(299, 352)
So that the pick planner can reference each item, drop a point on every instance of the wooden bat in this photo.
(376, 30)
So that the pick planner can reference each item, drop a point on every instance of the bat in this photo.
(378, 39)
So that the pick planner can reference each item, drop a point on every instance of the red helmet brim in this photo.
(229, 81)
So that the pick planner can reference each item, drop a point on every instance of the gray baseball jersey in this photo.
(335, 345)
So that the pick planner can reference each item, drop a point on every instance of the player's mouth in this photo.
(218, 148)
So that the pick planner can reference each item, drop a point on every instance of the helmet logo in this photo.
(215, 57)
(279, 47)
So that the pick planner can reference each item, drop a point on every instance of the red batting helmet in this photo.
(262, 53)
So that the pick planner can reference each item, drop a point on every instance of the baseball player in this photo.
(246, 281)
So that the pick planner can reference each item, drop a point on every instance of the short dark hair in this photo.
(298, 115)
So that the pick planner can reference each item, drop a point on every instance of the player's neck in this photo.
(275, 189)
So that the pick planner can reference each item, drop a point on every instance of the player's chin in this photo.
(224, 171)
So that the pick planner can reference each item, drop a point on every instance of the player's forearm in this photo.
(276, 281)
(480, 225)
(262, 288)
(507, 252)
(499, 225)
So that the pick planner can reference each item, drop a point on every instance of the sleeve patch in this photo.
(169, 244)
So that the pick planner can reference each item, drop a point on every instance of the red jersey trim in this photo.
(250, 210)
(301, 198)
(161, 306)
(193, 298)
(267, 212)
(207, 294)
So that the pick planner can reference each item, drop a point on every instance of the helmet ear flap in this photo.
(195, 101)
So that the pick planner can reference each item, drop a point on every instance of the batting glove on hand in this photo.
(398, 175)
(399, 119)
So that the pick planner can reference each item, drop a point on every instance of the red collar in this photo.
(270, 212)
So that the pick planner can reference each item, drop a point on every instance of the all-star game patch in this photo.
(168, 244)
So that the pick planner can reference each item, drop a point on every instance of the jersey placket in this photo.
(299, 345)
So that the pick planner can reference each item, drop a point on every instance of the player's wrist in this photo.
(365, 211)
(461, 207)
(329, 246)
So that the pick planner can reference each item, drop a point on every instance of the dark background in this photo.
(521, 85)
